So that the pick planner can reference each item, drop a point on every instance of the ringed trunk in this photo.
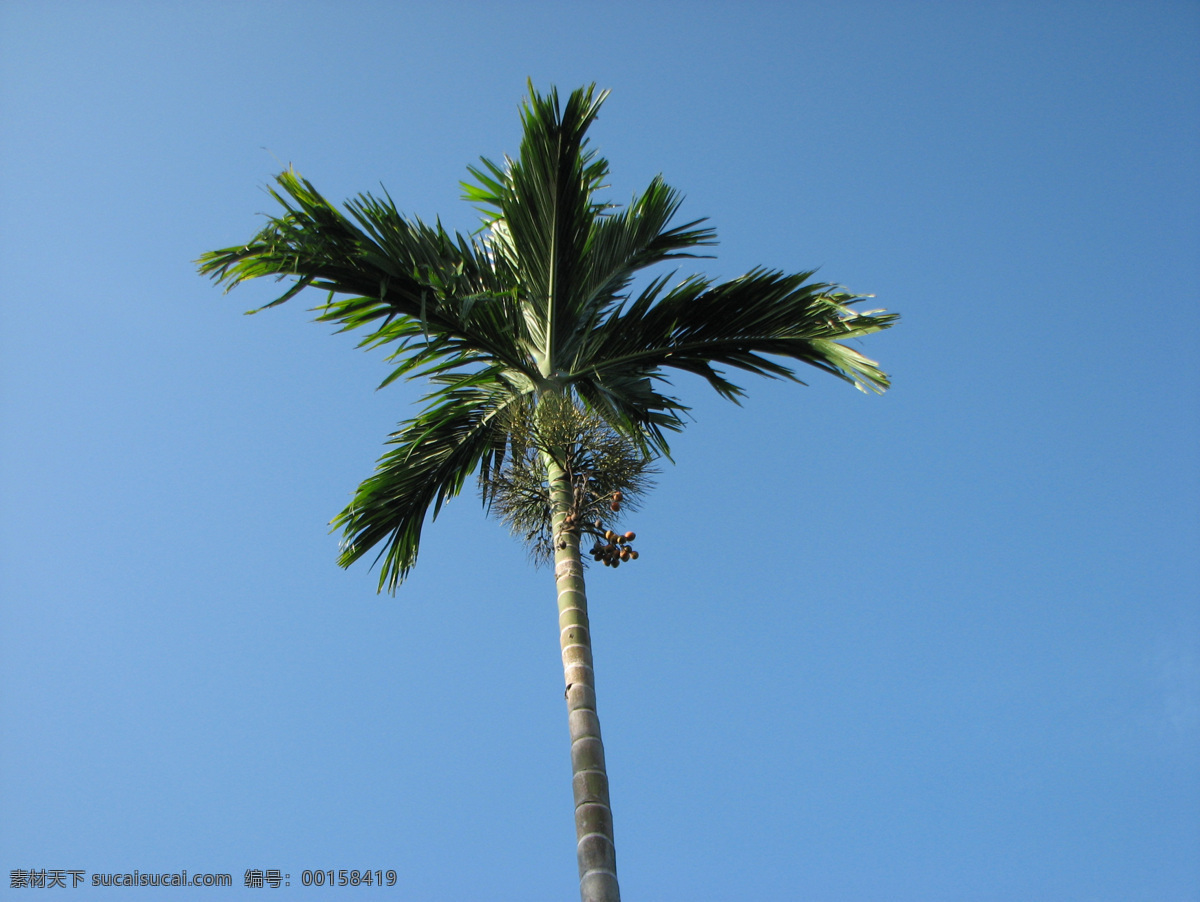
(593, 815)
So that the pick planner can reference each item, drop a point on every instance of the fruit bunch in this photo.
(615, 548)
(611, 548)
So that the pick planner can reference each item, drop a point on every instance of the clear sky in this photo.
(942, 644)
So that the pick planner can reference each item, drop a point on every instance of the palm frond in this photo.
(434, 454)
(698, 326)
(545, 202)
(621, 244)
(404, 281)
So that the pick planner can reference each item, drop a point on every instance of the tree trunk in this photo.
(593, 816)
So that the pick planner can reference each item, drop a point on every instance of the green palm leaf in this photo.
(406, 282)
(699, 323)
(434, 454)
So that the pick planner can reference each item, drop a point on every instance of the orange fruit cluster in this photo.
(615, 549)
(611, 548)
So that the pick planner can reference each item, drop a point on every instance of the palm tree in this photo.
(538, 346)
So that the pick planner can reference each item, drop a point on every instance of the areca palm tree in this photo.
(540, 348)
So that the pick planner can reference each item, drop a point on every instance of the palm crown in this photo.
(536, 304)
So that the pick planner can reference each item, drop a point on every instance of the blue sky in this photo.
(942, 644)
